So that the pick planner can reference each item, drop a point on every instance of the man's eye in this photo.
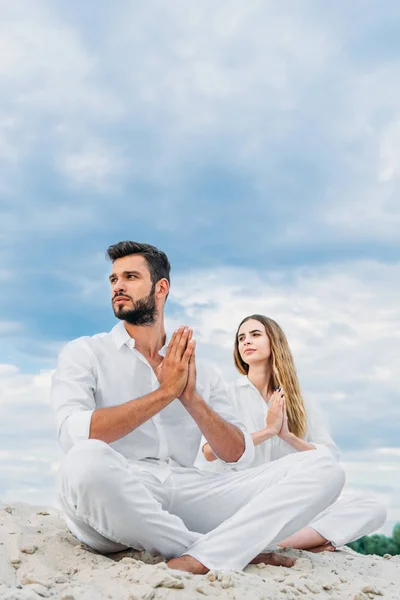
(129, 276)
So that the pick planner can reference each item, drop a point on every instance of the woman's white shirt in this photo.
(252, 410)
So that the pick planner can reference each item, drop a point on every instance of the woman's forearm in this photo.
(258, 437)
(297, 443)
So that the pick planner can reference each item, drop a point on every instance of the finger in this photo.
(182, 344)
(178, 339)
(171, 343)
(189, 352)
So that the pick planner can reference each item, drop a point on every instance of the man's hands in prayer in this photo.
(174, 370)
(190, 388)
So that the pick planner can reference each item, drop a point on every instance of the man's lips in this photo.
(119, 299)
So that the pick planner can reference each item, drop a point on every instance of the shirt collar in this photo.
(243, 381)
(122, 337)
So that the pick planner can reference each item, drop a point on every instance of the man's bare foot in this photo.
(187, 563)
(323, 548)
(272, 558)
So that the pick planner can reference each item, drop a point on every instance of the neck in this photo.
(148, 340)
(260, 376)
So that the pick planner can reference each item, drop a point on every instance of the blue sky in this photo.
(258, 145)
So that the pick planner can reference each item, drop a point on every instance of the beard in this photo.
(144, 311)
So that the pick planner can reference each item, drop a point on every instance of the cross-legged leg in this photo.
(346, 520)
(243, 513)
(111, 505)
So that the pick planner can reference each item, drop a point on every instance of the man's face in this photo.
(132, 292)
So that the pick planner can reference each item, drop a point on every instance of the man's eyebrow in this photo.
(125, 273)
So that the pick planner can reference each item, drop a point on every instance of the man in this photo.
(131, 412)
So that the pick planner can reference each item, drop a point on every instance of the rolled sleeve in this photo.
(72, 394)
(223, 404)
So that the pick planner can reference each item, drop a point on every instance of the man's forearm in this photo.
(110, 424)
(226, 440)
(258, 437)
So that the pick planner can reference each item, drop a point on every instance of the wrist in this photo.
(190, 396)
(288, 437)
(167, 393)
(270, 432)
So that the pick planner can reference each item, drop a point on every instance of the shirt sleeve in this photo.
(72, 394)
(222, 401)
(317, 430)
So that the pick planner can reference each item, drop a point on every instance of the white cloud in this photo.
(9, 327)
(390, 152)
(95, 166)
(234, 84)
(51, 88)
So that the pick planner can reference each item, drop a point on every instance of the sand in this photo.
(40, 558)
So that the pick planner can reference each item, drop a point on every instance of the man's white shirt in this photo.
(106, 370)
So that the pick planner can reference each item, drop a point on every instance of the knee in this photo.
(86, 464)
(333, 472)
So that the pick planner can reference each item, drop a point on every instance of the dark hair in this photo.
(157, 261)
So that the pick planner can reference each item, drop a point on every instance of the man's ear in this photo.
(162, 288)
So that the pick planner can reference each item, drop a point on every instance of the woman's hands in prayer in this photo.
(173, 372)
(284, 433)
(276, 412)
(287, 436)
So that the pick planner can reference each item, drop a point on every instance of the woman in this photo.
(268, 401)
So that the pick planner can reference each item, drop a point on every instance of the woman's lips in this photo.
(249, 350)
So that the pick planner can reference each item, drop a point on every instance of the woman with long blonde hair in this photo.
(269, 402)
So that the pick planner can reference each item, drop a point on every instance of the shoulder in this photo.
(84, 345)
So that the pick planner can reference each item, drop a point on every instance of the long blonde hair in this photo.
(283, 372)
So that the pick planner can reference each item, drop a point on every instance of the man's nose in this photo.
(119, 286)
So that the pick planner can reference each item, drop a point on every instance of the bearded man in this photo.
(131, 411)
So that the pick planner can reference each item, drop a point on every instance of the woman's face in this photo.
(253, 342)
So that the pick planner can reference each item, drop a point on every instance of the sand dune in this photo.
(40, 558)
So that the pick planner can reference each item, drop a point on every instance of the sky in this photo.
(258, 145)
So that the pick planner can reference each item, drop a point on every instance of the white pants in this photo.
(223, 520)
(349, 518)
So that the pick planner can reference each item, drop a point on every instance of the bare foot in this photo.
(187, 563)
(272, 558)
(323, 548)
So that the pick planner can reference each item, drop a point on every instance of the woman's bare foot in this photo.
(187, 563)
(273, 558)
(323, 548)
